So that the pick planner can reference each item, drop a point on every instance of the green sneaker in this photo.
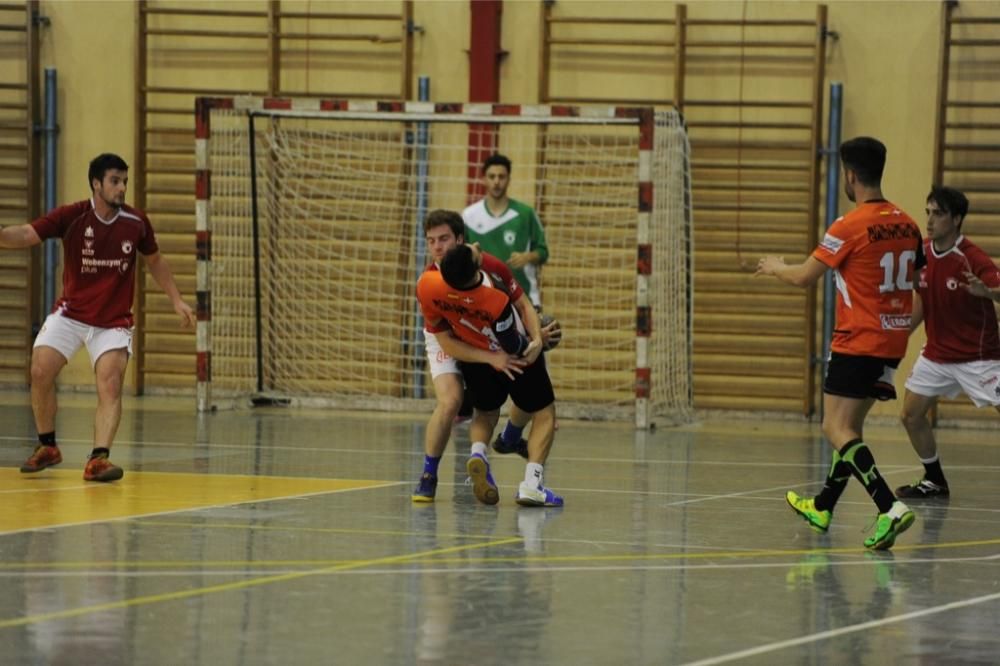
(890, 525)
(806, 507)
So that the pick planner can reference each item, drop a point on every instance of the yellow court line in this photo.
(322, 530)
(228, 587)
(728, 554)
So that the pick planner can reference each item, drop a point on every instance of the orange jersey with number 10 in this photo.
(874, 251)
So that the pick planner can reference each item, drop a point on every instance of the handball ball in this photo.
(551, 343)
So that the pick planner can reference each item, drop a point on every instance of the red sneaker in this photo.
(99, 468)
(44, 456)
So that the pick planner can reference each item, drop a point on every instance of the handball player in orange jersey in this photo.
(472, 316)
(874, 251)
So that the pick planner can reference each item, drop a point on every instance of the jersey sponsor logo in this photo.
(509, 237)
(460, 309)
(888, 232)
(127, 246)
(88, 232)
(895, 322)
(831, 244)
(89, 265)
(951, 283)
(989, 380)
(89, 244)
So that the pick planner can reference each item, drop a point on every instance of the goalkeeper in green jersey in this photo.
(508, 229)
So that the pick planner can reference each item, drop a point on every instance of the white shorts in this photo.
(980, 380)
(66, 335)
(439, 362)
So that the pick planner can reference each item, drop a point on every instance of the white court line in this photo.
(369, 452)
(193, 509)
(834, 633)
(772, 489)
(480, 569)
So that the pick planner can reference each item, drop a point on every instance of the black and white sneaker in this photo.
(921, 489)
(520, 448)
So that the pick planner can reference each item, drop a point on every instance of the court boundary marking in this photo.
(834, 633)
(42, 528)
(241, 585)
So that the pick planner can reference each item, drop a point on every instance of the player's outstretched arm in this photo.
(805, 274)
(19, 236)
(977, 287)
(160, 270)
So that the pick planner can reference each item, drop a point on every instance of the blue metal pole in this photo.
(832, 200)
(423, 137)
(51, 131)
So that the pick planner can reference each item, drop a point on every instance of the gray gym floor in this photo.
(282, 536)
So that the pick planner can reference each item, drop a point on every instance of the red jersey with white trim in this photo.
(98, 261)
(874, 250)
(960, 327)
(502, 276)
(471, 314)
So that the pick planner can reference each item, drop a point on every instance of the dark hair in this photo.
(864, 156)
(436, 218)
(496, 159)
(458, 268)
(950, 200)
(102, 164)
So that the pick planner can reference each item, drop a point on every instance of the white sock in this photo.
(480, 448)
(533, 475)
(933, 459)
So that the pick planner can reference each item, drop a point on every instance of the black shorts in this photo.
(861, 376)
(531, 390)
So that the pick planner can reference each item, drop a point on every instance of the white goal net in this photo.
(317, 244)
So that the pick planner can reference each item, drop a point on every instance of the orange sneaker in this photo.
(99, 468)
(44, 456)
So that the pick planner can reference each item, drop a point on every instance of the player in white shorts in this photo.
(67, 335)
(102, 239)
(954, 298)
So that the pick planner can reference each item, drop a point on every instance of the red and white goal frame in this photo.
(642, 118)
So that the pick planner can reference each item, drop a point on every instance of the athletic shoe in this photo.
(528, 495)
(806, 507)
(44, 456)
(99, 468)
(521, 448)
(922, 488)
(890, 525)
(483, 486)
(426, 489)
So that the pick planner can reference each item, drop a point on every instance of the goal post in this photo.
(309, 219)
